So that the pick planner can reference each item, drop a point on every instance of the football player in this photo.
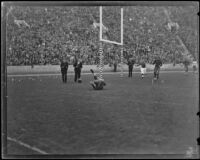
(158, 63)
(98, 83)
(64, 68)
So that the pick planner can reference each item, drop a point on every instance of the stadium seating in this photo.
(55, 32)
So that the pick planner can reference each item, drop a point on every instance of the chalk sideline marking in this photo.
(26, 145)
(70, 74)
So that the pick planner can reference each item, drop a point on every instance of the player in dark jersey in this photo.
(158, 63)
(77, 68)
(194, 67)
(64, 68)
(98, 83)
(186, 63)
(130, 64)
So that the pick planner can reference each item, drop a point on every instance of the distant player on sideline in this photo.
(186, 63)
(64, 68)
(77, 69)
(98, 83)
(194, 67)
(143, 68)
(158, 63)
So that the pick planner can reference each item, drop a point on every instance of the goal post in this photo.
(101, 29)
(109, 41)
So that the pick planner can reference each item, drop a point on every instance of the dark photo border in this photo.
(4, 9)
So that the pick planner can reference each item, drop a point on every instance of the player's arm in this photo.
(92, 71)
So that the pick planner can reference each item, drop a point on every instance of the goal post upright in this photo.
(122, 42)
(100, 33)
(100, 47)
(108, 41)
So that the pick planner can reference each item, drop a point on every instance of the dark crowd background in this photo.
(57, 32)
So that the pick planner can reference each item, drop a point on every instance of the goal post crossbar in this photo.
(108, 41)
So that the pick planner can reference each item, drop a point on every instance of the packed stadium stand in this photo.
(43, 35)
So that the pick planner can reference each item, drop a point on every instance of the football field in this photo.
(130, 116)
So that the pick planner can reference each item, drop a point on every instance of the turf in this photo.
(130, 116)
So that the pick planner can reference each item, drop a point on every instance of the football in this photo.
(79, 81)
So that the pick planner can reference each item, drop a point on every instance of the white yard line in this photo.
(26, 145)
(70, 74)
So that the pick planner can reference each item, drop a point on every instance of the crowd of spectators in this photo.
(57, 32)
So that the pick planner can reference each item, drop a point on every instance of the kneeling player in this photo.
(98, 83)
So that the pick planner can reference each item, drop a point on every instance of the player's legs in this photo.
(142, 72)
(76, 75)
(65, 77)
(131, 72)
(79, 73)
(158, 71)
(115, 68)
(155, 71)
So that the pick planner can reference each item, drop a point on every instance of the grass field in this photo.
(130, 116)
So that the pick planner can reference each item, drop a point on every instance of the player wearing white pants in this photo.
(143, 71)
(143, 68)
